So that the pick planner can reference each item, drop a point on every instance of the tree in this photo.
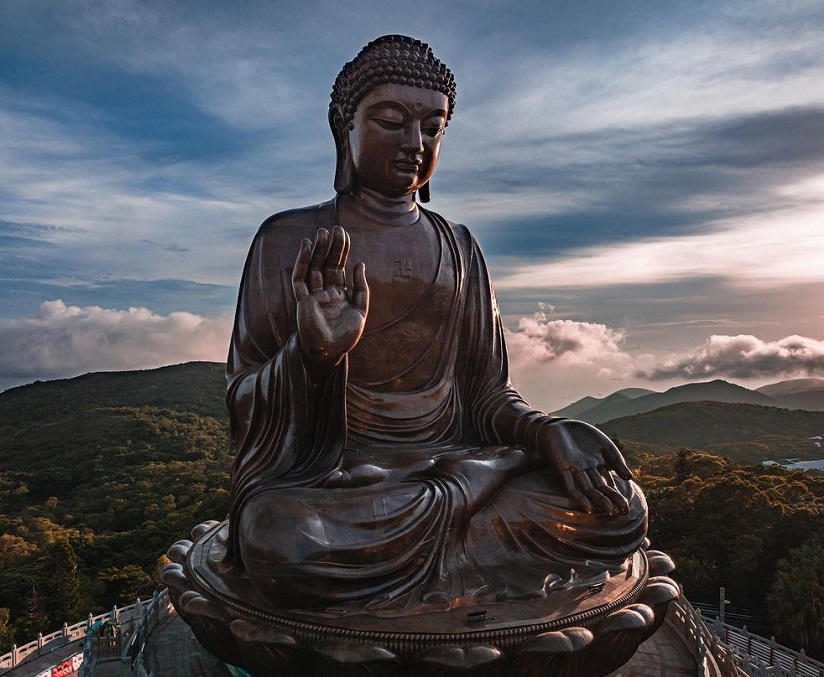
(34, 620)
(795, 606)
(682, 465)
(61, 583)
(123, 585)
(6, 631)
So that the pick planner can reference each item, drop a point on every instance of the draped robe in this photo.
(409, 476)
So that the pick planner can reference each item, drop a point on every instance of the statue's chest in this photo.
(413, 296)
(403, 267)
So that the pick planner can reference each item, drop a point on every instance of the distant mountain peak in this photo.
(618, 405)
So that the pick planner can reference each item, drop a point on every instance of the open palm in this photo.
(330, 316)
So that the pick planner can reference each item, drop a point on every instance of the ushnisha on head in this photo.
(388, 60)
(395, 59)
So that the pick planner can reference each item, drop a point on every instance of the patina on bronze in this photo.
(386, 468)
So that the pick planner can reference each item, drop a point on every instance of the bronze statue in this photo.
(395, 503)
(383, 457)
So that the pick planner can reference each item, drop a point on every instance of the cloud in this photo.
(69, 340)
(757, 250)
(540, 338)
(745, 356)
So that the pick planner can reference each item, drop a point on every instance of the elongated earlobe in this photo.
(423, 193)
(345, 176)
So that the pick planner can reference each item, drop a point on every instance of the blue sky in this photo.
(646, 178)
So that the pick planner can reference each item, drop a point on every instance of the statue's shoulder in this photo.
(458, 230)
(299, 221)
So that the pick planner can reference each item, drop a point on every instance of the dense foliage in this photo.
(748, 528)
(746, 433)
(100, 474)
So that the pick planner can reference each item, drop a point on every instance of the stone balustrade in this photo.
(723, 650)
(129, 618)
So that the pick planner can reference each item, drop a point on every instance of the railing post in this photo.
(13, 655)
(65, 631)
(39, 642)
(772, 650)
(89, 622)
(702, 657)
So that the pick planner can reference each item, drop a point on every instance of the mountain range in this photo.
(804, 393)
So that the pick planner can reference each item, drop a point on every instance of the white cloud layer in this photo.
(757, 251)
(745, 356)
(67, 341)
(541, 338)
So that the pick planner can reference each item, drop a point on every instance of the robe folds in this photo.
(409, 476)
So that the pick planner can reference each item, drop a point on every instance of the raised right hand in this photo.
(330, 316)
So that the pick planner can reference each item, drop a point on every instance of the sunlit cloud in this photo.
(756, 250)
(66, 340)
(541, 338)
(746, 357)
(677, 177)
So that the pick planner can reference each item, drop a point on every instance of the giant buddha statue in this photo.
(386, 467)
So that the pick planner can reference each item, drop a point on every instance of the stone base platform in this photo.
(580, 630)
(173, 651)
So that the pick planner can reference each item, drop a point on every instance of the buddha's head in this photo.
(389, 108)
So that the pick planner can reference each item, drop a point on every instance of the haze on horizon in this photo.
(644, 178)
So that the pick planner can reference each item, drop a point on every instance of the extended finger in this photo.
(572, 492)
(346, 245)
(619, 503)
(333, 272)
(318, 258)
(598, 499)
(299, 287)
(360, 291)
(609, 478)
(615, 461)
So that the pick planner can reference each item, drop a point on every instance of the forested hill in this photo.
(198, 387)
(99, 475)
(744, 432)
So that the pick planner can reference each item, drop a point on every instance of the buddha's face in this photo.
(397, 138)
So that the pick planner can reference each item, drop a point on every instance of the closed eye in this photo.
(388, 124)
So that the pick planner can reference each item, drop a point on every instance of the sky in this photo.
(646, 178)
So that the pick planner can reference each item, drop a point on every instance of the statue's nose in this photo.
(412, 139)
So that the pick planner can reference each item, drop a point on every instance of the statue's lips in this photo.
(407, 166)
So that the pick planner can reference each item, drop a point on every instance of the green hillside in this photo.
(198, 387)
(99, 475)
(744, 432)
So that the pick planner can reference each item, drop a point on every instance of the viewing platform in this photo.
(153, 640)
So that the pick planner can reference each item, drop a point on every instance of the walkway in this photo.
(173, 651)
(46, 661)
(662, 655)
